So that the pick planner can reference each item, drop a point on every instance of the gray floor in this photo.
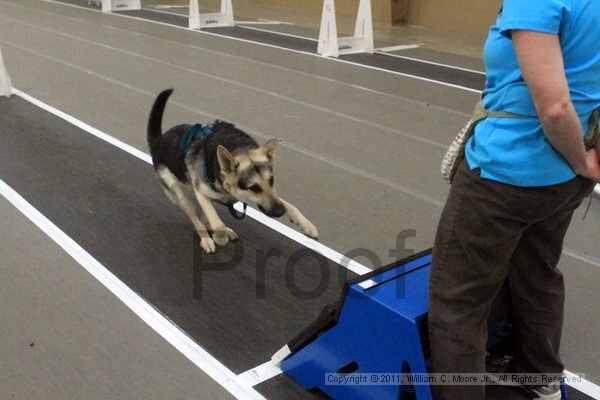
(361, 150)
(65, 336)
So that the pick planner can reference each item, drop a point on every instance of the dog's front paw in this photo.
(223, 235)
(233, 237)
(208, 245)
(309, 229)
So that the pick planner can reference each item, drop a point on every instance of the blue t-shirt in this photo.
(516, 151)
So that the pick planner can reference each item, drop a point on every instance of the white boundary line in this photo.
(585, 386)
(280, 34)
(582, 257)
(158, 322)
(281, 22)
(259, 374)
(305, 241)
(473, 71)
(259, 21)
(186, 15)
(168, 6)
(205, 32)
(399, 47)
(88, 128)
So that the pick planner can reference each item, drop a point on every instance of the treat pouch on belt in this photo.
(456, 152)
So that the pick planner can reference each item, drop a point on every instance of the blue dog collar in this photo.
(196, 132)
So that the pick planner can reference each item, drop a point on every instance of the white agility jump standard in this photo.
(5, 84)
(211, 20)
(120, 5)
(331, 45)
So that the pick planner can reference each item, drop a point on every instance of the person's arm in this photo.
(541, 61)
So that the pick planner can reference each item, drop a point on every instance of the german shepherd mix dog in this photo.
(225, 166)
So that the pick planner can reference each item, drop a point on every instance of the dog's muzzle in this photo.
(275, 212)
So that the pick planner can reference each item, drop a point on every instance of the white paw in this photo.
(309, 229)
(233, 237)
(208, 245)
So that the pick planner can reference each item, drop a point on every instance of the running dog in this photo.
(220, 163)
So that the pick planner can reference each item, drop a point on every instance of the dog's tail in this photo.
(154, 131)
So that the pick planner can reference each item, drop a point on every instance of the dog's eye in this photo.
(255, 188)
(271, 181)
(242, 186)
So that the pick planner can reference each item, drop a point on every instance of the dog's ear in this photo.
(268, 149)
(227, 162)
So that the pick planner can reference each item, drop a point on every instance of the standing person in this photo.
(512, 200)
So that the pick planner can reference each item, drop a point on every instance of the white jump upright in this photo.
(120, 5)
(211, 20)
(362, 41)
(5, 84)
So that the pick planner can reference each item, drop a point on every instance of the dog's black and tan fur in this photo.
(238, 169)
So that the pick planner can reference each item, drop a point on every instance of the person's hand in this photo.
(591, 169)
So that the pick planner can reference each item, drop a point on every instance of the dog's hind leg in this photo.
(297, 218)
(176, 192)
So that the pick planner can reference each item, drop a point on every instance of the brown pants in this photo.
(490, 231)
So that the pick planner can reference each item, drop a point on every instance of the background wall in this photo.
(467, 16)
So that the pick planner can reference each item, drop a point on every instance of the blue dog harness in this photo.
(197, 132)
